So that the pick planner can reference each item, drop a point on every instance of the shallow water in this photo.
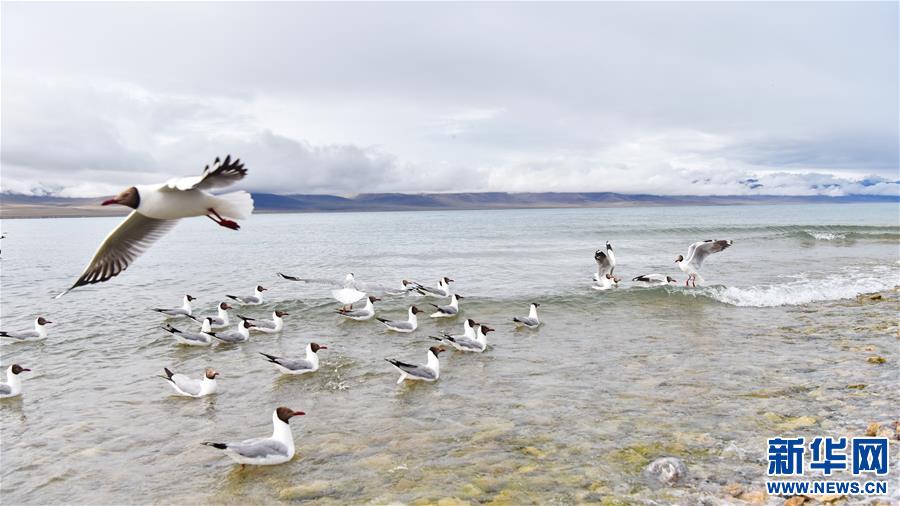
(569, 413)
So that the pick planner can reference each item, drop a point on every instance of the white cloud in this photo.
(686, 99)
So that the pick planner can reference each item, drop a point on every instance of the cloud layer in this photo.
(708, 98)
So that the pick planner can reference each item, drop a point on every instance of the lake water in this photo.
(569, 413)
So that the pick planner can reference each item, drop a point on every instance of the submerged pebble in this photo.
(667, 470)
(311, 490)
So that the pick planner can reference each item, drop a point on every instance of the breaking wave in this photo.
(798, 292)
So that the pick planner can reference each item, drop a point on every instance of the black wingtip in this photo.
(382, 320)
(220, 446)
(231, 297)
(169, 373)
(169, 328)
(271, 358)
(3, 334)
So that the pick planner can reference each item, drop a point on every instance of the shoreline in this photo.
(28, 211)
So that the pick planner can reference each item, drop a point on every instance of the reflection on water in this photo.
(571, 412)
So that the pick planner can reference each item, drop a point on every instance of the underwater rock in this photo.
(826, 498)
(733, 489)
(755, 497)
(797, 500)
(857, 386)
(790, 422)
(533, 452)
(311, 490)
(471, 491)
(667, 470)
(876, 359)
(452, 501)
(510, 497)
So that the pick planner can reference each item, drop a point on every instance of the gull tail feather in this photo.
(237, 205)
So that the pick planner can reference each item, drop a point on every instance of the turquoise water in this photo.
(566, 414)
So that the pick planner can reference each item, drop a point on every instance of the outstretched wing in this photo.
(700, 250)
(320, 281)
(221, 174)
(122, 247)
(604, 263)
(611, 256)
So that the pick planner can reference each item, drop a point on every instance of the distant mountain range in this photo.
(24, 206)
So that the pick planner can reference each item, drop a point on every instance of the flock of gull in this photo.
(157, 208)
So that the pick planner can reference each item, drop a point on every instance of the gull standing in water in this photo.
(604, 279)
(298, 365)
(697, 253)
(442, 290)
(267, 326)
(178, 312)
(411, 324)
(655, 279)
(449, 310)
(531, 321)
(364, 313)
(190, 387)
(37, 334)
(462, 343)
(242, 334)
(202, 338)
(158, 207)
(221, 320)
(13, 385)
(431, 371)
(277, 449)
(250, 300)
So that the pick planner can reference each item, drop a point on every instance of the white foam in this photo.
(804, 291)
(826, 236)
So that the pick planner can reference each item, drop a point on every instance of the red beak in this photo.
(298, 413)
(323, 347)
(109, 202)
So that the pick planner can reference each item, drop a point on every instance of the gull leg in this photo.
(686, 281)
(222, 221)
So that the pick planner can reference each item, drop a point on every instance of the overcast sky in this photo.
(665, 98)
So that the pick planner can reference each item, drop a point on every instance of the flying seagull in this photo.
(158, 207)
(606, 264)
(698, 252)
